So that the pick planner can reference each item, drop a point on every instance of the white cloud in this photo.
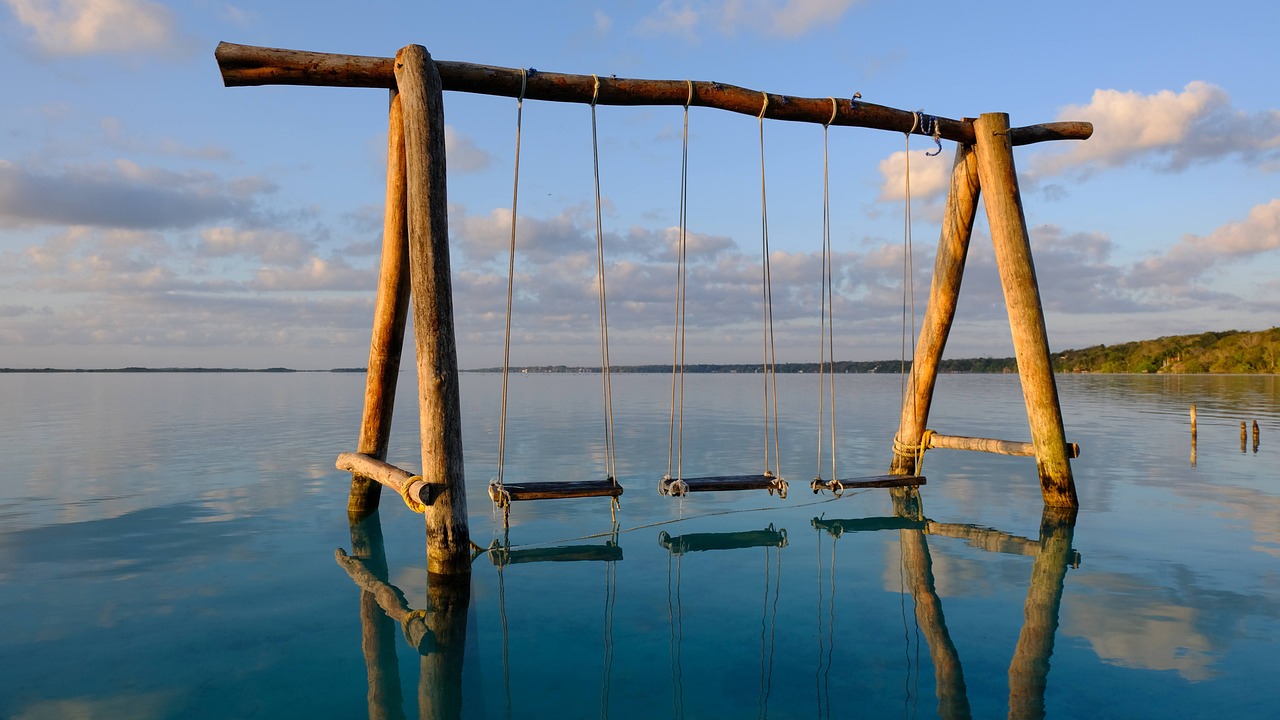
(81, 27)
(929, 175)
(463, 154)
(1195, 255)
(1166, 130)
(272, 246)
(786, 18)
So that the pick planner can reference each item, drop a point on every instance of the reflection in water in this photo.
(772, 541)
(438, 633)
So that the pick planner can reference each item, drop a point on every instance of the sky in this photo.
(150, 216)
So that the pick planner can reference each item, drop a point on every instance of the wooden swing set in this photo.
(415, 268)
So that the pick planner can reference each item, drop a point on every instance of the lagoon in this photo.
(167, 549)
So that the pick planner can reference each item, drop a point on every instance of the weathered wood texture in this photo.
(1012, 242)
(608, 552)
(400, 480)
(448, 540)
(243, 65)
(1029, 669)
(559, 490)
(391, 310)
(883, 481)
(948, 271)
(700, 542)
(723, 483)
(999, 447)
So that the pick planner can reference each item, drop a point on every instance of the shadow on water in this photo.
(438, 632)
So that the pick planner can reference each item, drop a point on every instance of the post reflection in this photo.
(438, 632)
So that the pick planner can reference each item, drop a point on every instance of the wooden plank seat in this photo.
(698, 542)
(864, 483)
(553, 490)
(676, 487)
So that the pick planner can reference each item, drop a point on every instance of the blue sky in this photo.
(150, 216)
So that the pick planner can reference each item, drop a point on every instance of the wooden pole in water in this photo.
(1244, 438)
(953, 698)
(391, 310)
(1012, 243)
(440, 671)
(1029, 668)
(948, 271)
(377, 630)
(448, 540)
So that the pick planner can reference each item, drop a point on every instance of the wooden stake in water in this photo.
(1244, 438)
(448, 539)
(1255, 436)
(1193, 435)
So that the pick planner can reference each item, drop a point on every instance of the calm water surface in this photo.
(167, 549)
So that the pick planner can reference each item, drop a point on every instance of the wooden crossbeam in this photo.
(1000, 447)
(243, 65)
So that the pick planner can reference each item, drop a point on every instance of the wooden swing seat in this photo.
(872, 481)
(559, 490)
(721, 483)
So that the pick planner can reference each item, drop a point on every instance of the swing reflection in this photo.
(439, 631)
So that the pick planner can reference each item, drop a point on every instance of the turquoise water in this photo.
(167, 549)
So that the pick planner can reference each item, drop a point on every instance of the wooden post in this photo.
(448, 540)
(1003, 203)
(948, 271)
(440, 672)
(391, 309)
(953, 698)
(1244, 438)
(1029, 669)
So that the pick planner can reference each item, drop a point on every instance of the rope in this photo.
(826, 327)
(675, 444)
(511, 275)
(412, 502)
(770, 356)
(604, 313)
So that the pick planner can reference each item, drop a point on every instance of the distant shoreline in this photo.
(177, 370)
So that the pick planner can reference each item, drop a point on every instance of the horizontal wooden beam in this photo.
(1000, 447)
(405, 483)
(244, 65)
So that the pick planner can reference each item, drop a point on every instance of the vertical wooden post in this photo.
(440, 671)
(391, 310)
(448, 540)
(1012, 243)
(953, 698)
(948, 271)
(1029, 668)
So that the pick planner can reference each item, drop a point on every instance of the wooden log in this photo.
(1029, 668)
(244, 65)
(448, 539)
(391, 310)
(992, 540)
(835, 528)
(402, 481)
(1012, 242)
(724, 483)
(608, 552)
(391, 600)
(999, 447)
(701, 542)
(948, 271)
(1244, 438)
(559, 490)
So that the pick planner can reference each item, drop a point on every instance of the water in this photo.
(167, 550)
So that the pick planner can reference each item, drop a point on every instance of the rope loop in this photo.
(413, 504)
(833, 113)
(524, 81)
(595, 93)
(766, 105)
(689, 100)
(498, 494)
(777, 484)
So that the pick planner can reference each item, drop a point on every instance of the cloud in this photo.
(464, 156)
(929, 175)
(785, 18)
(272, 246)
(114, 133)
(1168, 131)
(1194, 256)
(121, 195)
(82, 27)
